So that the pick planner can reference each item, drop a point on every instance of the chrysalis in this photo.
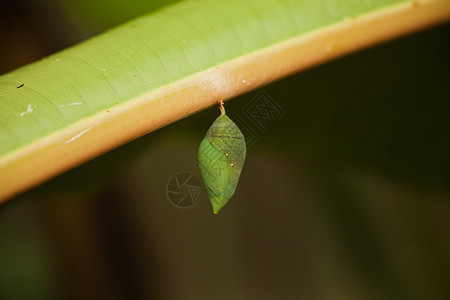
(221, 156)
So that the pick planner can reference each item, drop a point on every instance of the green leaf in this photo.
(76, 104)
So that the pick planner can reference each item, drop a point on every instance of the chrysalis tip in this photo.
(216, 212)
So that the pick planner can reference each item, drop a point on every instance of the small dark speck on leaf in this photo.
(134, 75)
(20, 86)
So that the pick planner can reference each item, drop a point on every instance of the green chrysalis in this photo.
(221, 157)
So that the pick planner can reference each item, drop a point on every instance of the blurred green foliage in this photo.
(102, 14)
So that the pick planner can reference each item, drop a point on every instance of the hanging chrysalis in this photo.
(220, 157)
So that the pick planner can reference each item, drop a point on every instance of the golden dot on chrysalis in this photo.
(221, 141)
(232, 165)
(226, 154)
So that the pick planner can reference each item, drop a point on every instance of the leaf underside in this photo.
(40, 102)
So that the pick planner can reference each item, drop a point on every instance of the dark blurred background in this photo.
(345, 195)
